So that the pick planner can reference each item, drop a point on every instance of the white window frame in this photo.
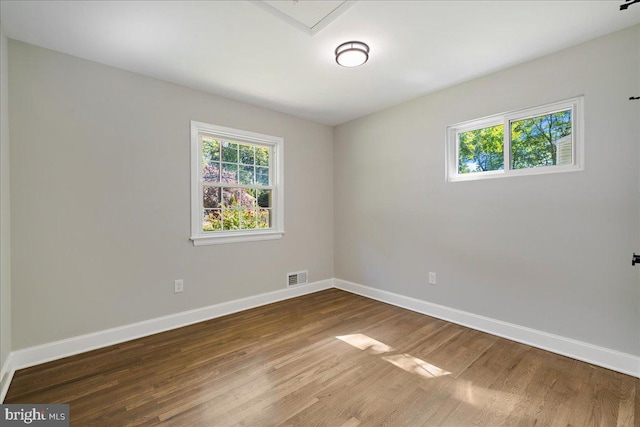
(276, 179)
(576, 105)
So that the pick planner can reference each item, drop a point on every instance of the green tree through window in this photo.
(235, 177)
(531, 141)
(481, 150)
(534, 140)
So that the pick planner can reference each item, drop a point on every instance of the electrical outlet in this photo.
(432, 278)
(178, 286)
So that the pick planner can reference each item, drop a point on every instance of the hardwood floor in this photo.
(329, 358)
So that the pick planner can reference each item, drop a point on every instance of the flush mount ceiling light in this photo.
(352, 54)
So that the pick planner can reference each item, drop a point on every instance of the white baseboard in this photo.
(600, 356)
(36, 355)
(6, 375)
(593, 354)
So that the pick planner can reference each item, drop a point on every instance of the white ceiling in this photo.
(238, 50)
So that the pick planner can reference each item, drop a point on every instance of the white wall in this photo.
(550, 252)
(5, 230)
(100, 199)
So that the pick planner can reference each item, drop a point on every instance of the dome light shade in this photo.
(352, 54)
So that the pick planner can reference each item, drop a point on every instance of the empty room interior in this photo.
(335, 213)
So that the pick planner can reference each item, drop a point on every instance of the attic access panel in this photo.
(307, 15)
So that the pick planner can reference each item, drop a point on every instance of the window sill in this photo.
(543, 170)
(233, 237)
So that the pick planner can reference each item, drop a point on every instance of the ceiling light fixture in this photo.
(352, 54)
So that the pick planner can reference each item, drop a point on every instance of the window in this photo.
(236, 185)
(543, 139)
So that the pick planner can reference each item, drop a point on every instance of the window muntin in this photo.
(237, 190)
(543, 139)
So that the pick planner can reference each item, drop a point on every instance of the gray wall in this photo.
(5, 226)
(100, 199)
(550, 252)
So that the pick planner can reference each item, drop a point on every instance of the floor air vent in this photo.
(297, 278)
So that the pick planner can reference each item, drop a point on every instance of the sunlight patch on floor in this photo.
(415, 365)
(364, 342)
(403, 361)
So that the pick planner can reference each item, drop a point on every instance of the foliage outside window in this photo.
(537, 140)
(236, 185)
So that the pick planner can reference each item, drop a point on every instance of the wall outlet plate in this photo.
(432, 278)
(178, 286)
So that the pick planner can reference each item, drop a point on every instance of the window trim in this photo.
(452, 148)
(276, 171)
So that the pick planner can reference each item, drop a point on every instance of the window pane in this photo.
(481, 150)
(211, 197)
(230, 173)
(247, 175)
(262, 156)
(210, 150)
(264, 198)
(211, 172)
(212, 220)
(541, 141)
(231, 197)
(247, 154)
(231, 219)
(262, 176)
(264, 218)
(210, 160)
(249, 218)
(246, 197)
(229, 152)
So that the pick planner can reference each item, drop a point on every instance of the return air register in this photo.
(297, 278)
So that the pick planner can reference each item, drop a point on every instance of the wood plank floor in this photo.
(333, 359)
